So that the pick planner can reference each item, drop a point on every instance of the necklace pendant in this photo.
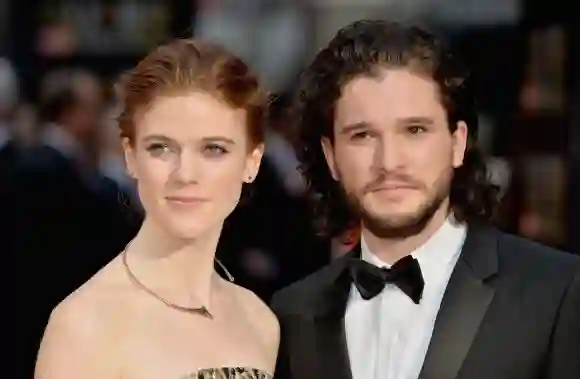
(204, 312)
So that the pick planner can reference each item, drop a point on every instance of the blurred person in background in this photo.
(8, 100)
(69, 219)
(387, 135)
(10, 153)
(192, 132)
(71, 110)
(8, 145)
(74, 190)
(10, 149)
(10, 234)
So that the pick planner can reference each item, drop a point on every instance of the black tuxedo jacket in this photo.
(511, 310)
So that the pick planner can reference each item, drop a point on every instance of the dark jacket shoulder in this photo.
(301, 296)
(519, 259)
(530, 260)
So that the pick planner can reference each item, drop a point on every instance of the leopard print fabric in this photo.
(229, 373)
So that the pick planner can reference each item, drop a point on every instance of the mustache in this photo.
(400, 178)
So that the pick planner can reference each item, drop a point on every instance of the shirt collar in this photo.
(440, 249)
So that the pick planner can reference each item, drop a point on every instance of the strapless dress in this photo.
(229, 373)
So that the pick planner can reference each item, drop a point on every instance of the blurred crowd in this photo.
(59, 93)
(76, 206)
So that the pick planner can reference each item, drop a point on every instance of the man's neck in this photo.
(390, 250)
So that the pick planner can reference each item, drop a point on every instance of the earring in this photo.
(250, 179)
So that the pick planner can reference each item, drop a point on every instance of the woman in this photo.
(192, 136)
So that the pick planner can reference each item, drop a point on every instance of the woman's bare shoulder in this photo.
(99, 296)
(259, 314)
(80, 331)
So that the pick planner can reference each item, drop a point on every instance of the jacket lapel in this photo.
(330, 337)
(464, 305)
(332, 348)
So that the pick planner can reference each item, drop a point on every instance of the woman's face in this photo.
(190, 157)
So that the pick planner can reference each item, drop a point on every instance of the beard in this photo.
(405, 224)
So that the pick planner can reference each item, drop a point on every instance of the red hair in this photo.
(187, 65)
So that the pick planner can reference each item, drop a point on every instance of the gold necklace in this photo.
(200, 311)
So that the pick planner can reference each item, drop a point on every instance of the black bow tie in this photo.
(405, 274)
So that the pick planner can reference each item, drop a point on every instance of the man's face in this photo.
(393, 151)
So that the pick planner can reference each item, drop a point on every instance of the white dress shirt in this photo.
(388, 335)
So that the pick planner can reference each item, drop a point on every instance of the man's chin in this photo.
(397, 224)
(396, 214)
(395, 220)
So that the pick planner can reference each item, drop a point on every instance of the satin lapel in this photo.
(332, 348)
(330, 337)
(464, 305)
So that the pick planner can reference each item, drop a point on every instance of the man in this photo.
(71, 220)
(9, 149)
(387, 130)
(67, 185)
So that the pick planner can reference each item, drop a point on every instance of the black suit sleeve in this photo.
(283, 359)
(565, 352)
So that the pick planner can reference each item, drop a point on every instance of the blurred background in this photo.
(60, 59)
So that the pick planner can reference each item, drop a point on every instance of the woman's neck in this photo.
(180, 271)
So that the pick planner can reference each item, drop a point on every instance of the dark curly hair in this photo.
(362, 48)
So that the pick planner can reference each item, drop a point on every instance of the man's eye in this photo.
(416, 129)
(361, 135)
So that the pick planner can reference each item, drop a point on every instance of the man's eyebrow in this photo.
(354, 127)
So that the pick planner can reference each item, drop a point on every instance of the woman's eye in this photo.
(158, 148)
(214, 149)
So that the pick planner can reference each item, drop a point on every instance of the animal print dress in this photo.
(229, 373)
